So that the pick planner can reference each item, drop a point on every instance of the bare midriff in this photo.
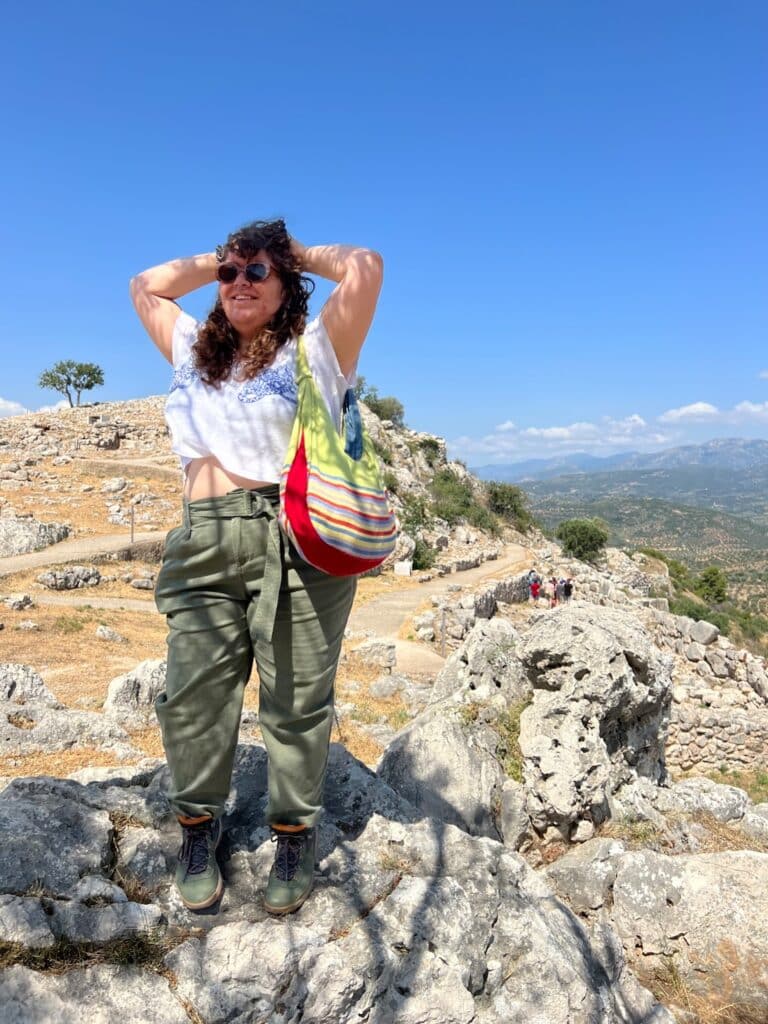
(207, 478)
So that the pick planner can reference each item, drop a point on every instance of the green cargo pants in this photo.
(233, 588)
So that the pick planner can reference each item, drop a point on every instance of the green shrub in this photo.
(382, 451)
(431, 449)
(424, 555)
(583, 538)
(508, 750)
(712, 585)
(690, 607)
(483, 519)
(510, 503)
(452, 497)
(454, 500)
(415, 514)
(390, 481)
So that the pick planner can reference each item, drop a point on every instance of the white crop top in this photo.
(246, 424)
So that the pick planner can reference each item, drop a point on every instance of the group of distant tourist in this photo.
(552, 591)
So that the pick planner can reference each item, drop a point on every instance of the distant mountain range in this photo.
(723, 453)
(704, 503)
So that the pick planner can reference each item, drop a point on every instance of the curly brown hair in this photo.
(217, 343)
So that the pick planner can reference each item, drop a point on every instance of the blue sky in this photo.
(570, 199)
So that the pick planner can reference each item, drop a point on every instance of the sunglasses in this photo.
(253, 272)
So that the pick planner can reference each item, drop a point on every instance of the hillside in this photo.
(505, 775)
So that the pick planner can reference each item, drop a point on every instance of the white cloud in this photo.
(63, 404)
(703, 412)
(750, 410)
(763, 375)
(509, 443)
(605, 436)
(695, 411)
(8, 408)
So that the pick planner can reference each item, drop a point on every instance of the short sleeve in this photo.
(184, 337)
(323, 361)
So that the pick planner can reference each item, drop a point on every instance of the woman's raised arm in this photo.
(348, 313)
(155, 290)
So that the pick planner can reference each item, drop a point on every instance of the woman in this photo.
(231, 586)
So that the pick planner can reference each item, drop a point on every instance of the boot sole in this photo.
(291, 906)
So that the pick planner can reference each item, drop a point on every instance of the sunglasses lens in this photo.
(226, 272)
(256, 272)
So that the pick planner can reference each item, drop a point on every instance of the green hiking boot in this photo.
(293, 873)
(198, 878)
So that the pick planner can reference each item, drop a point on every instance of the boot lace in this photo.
(195, 851)
(290, 847)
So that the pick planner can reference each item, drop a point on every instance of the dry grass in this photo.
(714, 836)
(57, 763)
(754, 783)
(74, 663)
(672, 989)
(63, 500)
(147, 951)
(358, 743)
(636, 834)
(721, 836)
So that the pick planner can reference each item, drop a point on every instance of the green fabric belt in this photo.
(243, 504)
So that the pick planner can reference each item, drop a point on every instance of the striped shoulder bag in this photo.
(333, 504)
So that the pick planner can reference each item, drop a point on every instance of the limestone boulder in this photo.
(18, 536)
(20, 684)
(599, 717)
(448, 770)
(132, 696)
(705, 910)
(487, 664)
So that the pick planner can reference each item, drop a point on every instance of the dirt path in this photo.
(383, 616)
(76, 550)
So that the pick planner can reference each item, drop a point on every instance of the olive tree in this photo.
(583, 538)
(67, 374)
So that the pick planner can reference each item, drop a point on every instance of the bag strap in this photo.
(302, 363)
(352, 423)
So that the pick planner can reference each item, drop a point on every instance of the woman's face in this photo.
(249, 306)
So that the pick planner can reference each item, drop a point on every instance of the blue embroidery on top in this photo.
(184, 375)
(271, 382)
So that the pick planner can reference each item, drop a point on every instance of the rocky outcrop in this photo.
(598, 720)
(131, 697)
(486, 665)
(72, 578)
(673, 907)
(410, 921)
(448, 771)
(21, 534)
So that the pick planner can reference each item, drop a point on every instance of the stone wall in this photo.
(719, 713)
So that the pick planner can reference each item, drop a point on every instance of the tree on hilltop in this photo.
(68, 374)
(386, 407)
